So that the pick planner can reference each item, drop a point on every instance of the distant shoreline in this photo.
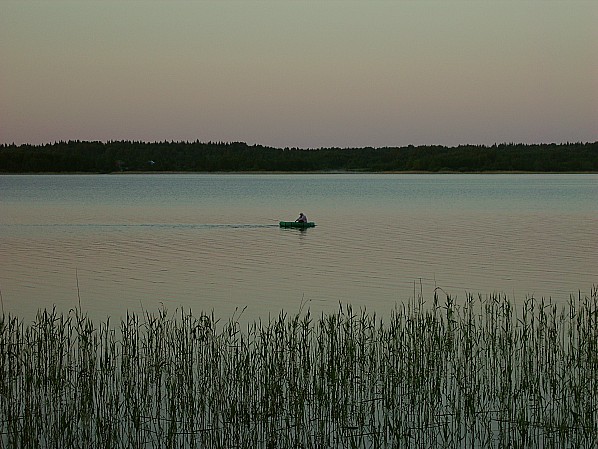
(331, 172)
(238, 157)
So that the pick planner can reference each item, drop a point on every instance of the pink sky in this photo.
(299, 74)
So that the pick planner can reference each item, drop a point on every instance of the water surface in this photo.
(120, 243)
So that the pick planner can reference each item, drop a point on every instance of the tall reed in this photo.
(474, 373)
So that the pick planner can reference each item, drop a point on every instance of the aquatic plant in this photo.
(479, 373)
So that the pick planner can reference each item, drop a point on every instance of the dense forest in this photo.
(107, 157)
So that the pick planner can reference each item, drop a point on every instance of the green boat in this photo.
(297, 224)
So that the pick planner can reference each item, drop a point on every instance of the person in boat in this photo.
(302, 218)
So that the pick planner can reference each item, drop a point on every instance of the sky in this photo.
(305, 74)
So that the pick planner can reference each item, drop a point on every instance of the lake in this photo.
(211, 242)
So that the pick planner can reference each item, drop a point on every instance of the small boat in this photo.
(296, 224)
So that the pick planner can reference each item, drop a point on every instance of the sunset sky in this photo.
(304, 74)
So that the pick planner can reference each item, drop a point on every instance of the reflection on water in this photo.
(202, 242)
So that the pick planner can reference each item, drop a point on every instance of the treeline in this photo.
(107, 157)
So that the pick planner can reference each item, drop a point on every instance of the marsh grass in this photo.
(480, 373)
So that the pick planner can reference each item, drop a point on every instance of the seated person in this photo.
(302, 218)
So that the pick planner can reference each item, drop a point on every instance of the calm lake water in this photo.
(212, 242)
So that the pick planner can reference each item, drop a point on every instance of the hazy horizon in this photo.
(299, 74)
